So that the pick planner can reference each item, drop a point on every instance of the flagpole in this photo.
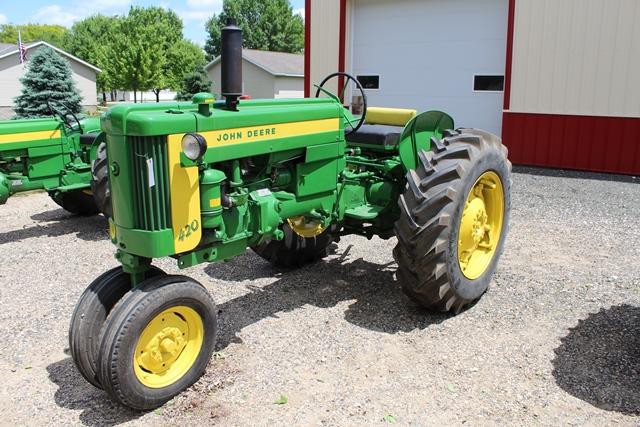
(20, 48)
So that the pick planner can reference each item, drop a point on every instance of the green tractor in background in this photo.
(286, 178)
(55, 154)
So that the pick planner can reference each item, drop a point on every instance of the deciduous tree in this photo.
(140, 47)
(91, 40)
(266, 25)
(53, 34)
(182, 57)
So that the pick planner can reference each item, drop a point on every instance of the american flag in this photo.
(22, 48)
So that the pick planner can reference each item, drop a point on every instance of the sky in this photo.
(194, 13)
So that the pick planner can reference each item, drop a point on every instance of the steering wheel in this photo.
(340, 96)
(65, 115)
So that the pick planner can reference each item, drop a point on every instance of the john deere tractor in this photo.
(54, 154)
(285, 178)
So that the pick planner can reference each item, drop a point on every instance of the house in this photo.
(558, 80)
(265, 74)
(147, 96)
(84, 75)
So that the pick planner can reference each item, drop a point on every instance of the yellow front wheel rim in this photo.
(168, 347)
(305, 227)
(481, 225)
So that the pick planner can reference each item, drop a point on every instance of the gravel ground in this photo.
(555, 341)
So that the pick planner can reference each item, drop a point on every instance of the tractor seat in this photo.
(88, 138)
(380, 135)
(383, 127)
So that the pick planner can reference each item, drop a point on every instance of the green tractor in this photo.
(285, 178)
(55, 154)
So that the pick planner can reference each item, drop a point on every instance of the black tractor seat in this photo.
(88, 138)
(384, 136)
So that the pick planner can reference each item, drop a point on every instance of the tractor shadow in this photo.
(599, 360)
(378, 302)
(59, 222)
(75, 393)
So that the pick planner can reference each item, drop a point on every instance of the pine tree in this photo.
(48, 78)
(193, 83)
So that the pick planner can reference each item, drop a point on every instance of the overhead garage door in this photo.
(433, 54)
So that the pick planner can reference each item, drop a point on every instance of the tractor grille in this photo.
(151, 203)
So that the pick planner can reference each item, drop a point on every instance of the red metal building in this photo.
(569, 69)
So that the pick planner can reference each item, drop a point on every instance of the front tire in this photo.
(157, 341)
(454, 219)
(89, 315)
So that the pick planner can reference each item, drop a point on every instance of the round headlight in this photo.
(194, 146)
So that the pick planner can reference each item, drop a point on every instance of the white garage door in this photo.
(433, 54)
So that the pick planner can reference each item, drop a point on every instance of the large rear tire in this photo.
(294, 250)
(90, 313)
(157, 341)
(100, 181)
(454, 219)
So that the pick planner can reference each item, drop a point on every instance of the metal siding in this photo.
(577, 57)
(324, 44)
(603, 144)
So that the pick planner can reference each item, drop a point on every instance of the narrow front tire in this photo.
(157, 341)
(89, 315)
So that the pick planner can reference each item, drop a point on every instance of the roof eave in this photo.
(288, 75)
(67, 54)
(262, 67)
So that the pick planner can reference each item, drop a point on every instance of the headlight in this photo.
(194, 146)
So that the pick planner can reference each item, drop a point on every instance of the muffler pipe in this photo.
(231, 64)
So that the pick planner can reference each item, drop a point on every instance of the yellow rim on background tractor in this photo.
(481, 225)
(304, 227)
(168, 346)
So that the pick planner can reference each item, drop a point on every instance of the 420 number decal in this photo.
(186, 231)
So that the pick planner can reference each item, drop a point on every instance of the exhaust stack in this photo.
(231, 67)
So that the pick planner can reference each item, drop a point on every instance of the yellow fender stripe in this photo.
(29, 136)
(243, 135)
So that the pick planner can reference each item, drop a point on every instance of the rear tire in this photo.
(295, 251)
(157, 341)
(100, 181)
(430, 269)
(78, 202)
(90, 312)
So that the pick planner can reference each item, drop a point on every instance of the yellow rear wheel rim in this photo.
(305, 227)
(168, 347)
(481, 225)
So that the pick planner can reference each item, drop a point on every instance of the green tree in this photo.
(48, 81)
(192, 83)
(91, 40)
(182, 56)
(53, 34)
(266, 25)
(140, 46)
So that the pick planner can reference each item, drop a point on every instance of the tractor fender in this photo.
(93, 151)
(417, 135)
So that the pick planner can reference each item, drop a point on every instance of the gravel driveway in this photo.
(555, 341)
